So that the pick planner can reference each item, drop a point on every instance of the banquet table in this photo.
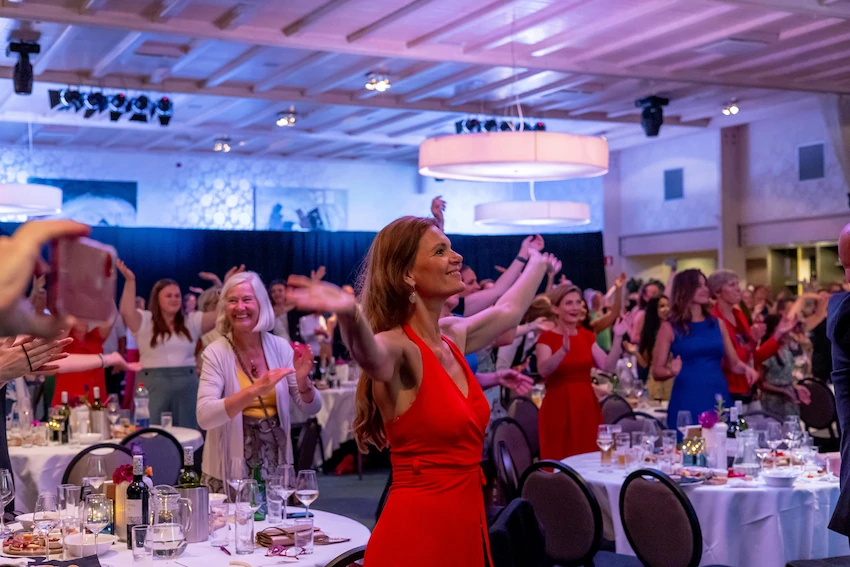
(752, 526)
(40, 469)
(335, 417)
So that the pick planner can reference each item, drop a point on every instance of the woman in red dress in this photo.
(570, 413)
(418, 395)
(82, 384)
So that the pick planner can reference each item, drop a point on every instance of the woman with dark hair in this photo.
(698, 343)
(166, 340)
(657, 311)
(417, 395)
(190, 304)
(277, 293)
(780, 396)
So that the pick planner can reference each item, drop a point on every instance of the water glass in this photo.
(69, 501)
(70, 526)
(166, 420)
(219, 524)
(139, 536)
(304, 534)
(274, 500)
(244, 523)
(623, 441)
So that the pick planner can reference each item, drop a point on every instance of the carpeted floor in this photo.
(348, 496)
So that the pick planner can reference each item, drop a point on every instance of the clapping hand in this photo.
(554, 266)
(621, 280)
(534, 242)
(267, 382)
(41, 352)
(803, 394)
(513, 380)
(620, 327)
(752, 375)
(233, 271)
(318, 275)
(785, 326)
(438, 207)
(211, 277)
(310, 295)
(125, 271)
(757, 331)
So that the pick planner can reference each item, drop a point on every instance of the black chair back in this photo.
(506, 472)
(348, 558)
(659, 521)
(114, 456)
(308, 441)
(821, 413)
(525, 412)
(163, 453)
(634, 422)
(614, 407)
(384, 495)
(759, 420)
(511, 432)
(568, 511)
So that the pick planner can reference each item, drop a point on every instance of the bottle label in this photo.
(64, 397)
(188, 456)
(133, 513)
(138, 466)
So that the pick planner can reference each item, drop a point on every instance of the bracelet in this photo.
(521, 259)
(28, 357)
(102, 361)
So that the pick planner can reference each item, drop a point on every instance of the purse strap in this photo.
(248, 374)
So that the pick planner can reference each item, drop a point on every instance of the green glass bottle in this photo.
(260, 514)
(188, 478)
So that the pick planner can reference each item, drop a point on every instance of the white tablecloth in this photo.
(40, 469)
(335, 417)
(755, 526)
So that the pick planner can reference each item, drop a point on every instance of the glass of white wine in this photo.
(287, 485)
(307, 489)
(604, 440)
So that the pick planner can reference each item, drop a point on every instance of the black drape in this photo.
(155, 253)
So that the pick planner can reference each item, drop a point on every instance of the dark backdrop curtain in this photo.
(155, 253)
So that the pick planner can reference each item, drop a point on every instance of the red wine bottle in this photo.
(136, 507)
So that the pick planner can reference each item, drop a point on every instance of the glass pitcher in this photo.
(167, 507)
(746, 461)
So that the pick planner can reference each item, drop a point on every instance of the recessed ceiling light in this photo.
(286, 118)
(222, 145)
(377, 82)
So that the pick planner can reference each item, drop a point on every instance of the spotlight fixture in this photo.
(491, 125)
(222, 145)
(539, 127)
(117, 106)
(731, 108)
(22, 75)
(66, 99)
(139, 108)
(473, 125)
(375, 82)
(286, 118)
(652, 116)
(94, 104)
(163, 110)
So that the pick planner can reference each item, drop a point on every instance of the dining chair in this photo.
(821, 413)
(758, 420)
(384, 495)
(350, 557)
(506, 474)
(309, 440)
(525, 412)
(114, 456)
(162, 451)
(509, 430)
(634, 422)
(614, 407)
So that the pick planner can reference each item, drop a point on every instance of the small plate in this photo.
(687, 480)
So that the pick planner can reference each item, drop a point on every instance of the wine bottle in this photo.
(96, 405)
(99, 422)
(742, 423)
(136, 507)
(188, 477)
(260, 514)
(731, 433)
(64, 415)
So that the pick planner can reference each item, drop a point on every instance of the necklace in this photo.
(254, 372)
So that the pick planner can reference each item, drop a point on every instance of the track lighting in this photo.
(731, 109)
(163, 110)
(286, 118)
(375, 82)
(222, 145)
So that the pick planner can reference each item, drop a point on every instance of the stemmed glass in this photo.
(793, 431)
(773, 436)
(96, 514)
(113, 411)
(7, 494)
(236, 475)
(96, 472)
(684, 419)
(287, 484)
(763, 449)
(45, 517)
(604, 440)
(307, 489)
(650, 434)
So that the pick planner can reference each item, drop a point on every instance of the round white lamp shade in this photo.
(533, 213)
(29, 199)
(513, 156)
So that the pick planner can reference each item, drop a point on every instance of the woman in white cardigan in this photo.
(248, 378)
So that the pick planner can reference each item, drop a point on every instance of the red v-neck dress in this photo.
(435, 511)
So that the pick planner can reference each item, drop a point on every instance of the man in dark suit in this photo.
(838, 331)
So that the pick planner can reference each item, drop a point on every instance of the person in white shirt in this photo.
(166, 341)
(314, 331)
(277, 293)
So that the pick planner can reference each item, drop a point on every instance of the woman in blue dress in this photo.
(691, 347)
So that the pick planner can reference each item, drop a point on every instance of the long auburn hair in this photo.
(685, 285)
(160, 327)
(384, 297)
(651, 326)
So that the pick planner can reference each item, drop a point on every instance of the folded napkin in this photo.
(285, 537)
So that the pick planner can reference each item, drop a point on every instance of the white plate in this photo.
(26, 519)
(82, 545)
(89, 438)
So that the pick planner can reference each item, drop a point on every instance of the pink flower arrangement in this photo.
(124, 473)
(708, 419)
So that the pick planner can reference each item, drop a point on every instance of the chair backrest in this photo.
(525, 411)
(510, 431)
(567, 509)
(308, 442)
(614, 407)
(634, 421)
(384, 495)
(113, 455)
(821, 413)
(163, 453)
(758, 420)
(348, 558)
(506, 471)
(659, 520)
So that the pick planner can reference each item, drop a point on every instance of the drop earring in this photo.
(412, 297)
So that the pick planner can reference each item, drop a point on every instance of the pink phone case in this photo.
(82, 279)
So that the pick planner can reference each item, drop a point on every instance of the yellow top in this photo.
(255, 409)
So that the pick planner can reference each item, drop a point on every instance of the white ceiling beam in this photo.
(419, 127)
(387, 20)
(505, 33)
(704, 39)
(311, 18)
(446, 53)
(835, 71)
(275, 146)
(626, 88)
(358, 69)
(204, 141)
(466, 96)
(302, 148)
(196, 49)
(573, 36)
(381, 123)
(266, 115)
(423, 92)
(339, 151)
(694, 62)
(232, 68)
(312, 60)
(157, 141)
(237, 16)
(338, 122)
(164, 10)
(42, 61)
(461, 23)
(808, 27)
(543, 90)
(407, 73)
(117, 137)
(650, 33)
(837, 53)
(806, 7)
(25, 138)
(91, 6)
(130, 42)
(6, 97)
(215, 111)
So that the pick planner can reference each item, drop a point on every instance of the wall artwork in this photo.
(96, 203)
(294, 209)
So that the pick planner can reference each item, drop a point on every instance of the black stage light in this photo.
(139, 108)
(540, 127)
(505, 126)
(652, 116)
(22, 76)
(526, 127)
(163, 109)
(473, 125)
(459, 127)
(491, 125)
(94, 103)
(117, 106)
(71, 99)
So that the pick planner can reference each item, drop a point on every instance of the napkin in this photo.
(90, 561)
(285, 537)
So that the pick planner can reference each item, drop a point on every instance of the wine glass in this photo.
(287, 484)
(7, 494)
(604, 440)
(763, 449)
(684, 419)
(793, 431)
(113, 411)
(96, 472)
(96, 514)
(236, 475)
(650, 434)
(307, 489)
(45, 517)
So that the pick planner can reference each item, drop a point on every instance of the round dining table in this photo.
(335, 417)
(744, 524)
(40, 468)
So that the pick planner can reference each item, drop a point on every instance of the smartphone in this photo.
(82, 279)
(292, 515)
